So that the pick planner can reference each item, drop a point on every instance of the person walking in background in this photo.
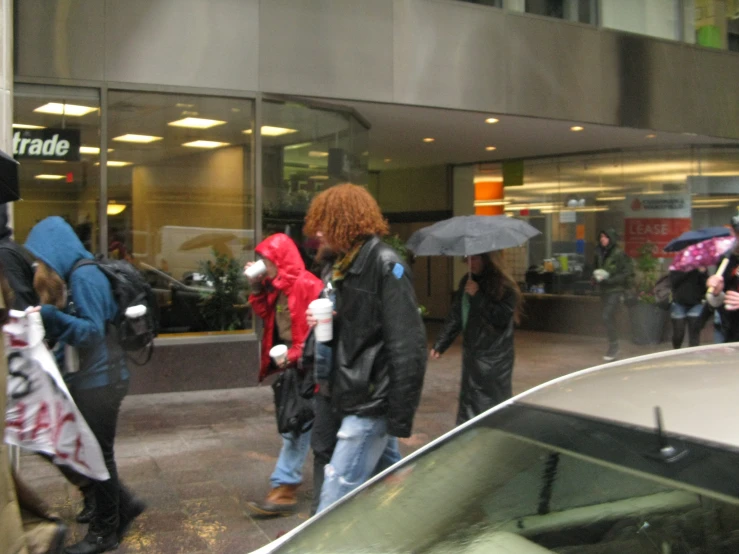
(76, 308)
(486, 307)
(613, 272)
(379, 341)
(280, 297)
(688, 294)
(723, 292)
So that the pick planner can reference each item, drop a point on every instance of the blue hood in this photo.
(54, 242)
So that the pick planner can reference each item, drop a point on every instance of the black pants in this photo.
(323, 442)
(610, 302)
(694, 325)
(100, 407)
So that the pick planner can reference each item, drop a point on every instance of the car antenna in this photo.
(667, 452)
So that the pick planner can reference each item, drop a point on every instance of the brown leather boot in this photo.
(280, 501)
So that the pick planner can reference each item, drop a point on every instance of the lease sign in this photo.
(655, 219)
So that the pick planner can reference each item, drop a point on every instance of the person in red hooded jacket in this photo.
(281, 297)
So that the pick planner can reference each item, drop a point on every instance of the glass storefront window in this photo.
(306, 149)
(181, 203)
(56, 138)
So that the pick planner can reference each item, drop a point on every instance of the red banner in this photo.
(657, 230)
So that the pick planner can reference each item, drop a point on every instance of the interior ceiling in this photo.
(461, 136)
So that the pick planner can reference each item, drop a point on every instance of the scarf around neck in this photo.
(343, 263)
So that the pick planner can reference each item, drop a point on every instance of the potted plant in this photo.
(223, 307)
(648, 318)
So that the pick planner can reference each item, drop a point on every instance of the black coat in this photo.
(16, 264)
(487, 349)
(379, 340)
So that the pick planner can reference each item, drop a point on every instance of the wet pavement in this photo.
(198, 457)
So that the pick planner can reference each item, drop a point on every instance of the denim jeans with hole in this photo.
(363, 448)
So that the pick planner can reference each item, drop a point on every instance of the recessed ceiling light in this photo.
(492, 120)
(388, 160)
(317, 154)
(53, 161)
(428, 139)
(184, 105)
(65, 109)
(196, 123)
(651, 136)
(577, 128)
(24, 126)
(269, 131)
(205, 144)
(89, 150)
(115, 209)
(137, 138)
(49, 177)
(319, 177)
(610, 198)
(490, 148)
(115, 163)
(297, 146)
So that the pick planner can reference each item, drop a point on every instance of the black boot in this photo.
(695, 326)
(133, 509)
(94, 543)
(612, 353)
(88, 508)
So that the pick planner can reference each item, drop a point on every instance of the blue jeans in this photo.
(363, 449)
(289, 468)
(718, 330)
(681, 311)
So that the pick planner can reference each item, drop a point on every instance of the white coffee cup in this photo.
(256, 270)
(278, 354)
(323, 310)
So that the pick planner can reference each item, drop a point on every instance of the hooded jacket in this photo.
(91, 305)
(615, 262)
(487, 348)
(16, 265)
(299, 286)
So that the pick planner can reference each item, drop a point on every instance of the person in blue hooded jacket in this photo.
(76, 307)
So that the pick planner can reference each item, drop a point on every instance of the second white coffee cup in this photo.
(278, 354)
(323, 310)
(256, 270)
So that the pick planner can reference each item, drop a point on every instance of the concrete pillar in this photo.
(6, 82)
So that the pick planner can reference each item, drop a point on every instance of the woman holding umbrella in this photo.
(485, 309)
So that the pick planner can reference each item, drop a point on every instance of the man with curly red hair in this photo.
(379, 341)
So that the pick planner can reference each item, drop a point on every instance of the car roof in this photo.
(697, 390)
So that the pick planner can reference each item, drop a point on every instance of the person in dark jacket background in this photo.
(688, 292)
(17, 264)
(724, 296)
(485, 309)
(76, 308)
(379, 341)
(613, 273)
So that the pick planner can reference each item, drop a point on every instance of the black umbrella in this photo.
(8, 179)
(688, 238)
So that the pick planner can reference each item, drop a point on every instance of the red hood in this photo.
(282, 251)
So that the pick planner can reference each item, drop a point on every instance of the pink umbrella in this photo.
(701, 254)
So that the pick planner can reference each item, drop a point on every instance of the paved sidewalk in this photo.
(198, 457)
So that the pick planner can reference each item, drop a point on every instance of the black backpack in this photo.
(133, 334)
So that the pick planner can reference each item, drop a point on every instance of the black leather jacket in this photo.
(379, 340)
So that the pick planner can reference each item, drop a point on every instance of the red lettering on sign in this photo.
(19, 421)
(658, 231)
(69, 417)
(43, 420)
(78, 451)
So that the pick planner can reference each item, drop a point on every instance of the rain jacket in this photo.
(299, 286)
(379, 340)
(615, 262)
(487, 348)
(91, 306)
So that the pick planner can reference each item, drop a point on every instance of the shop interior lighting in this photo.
(26, 126)
(577, 128)
(491, 202)
(196, 123)
(49, 177)
(610, 198)
(651, 136)
(65, 109)
(429, 139)
(143, 139)
(490, 148)
(585, 209)
(89, 150)
(297, 146)
(317, 154)
(115, 163)
(115, 209)
(319, 177)
(388, 160)
(53, 161)
(269, 131)
(492, 120)
(205, 144)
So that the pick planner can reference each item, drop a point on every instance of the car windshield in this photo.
(526, 479)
